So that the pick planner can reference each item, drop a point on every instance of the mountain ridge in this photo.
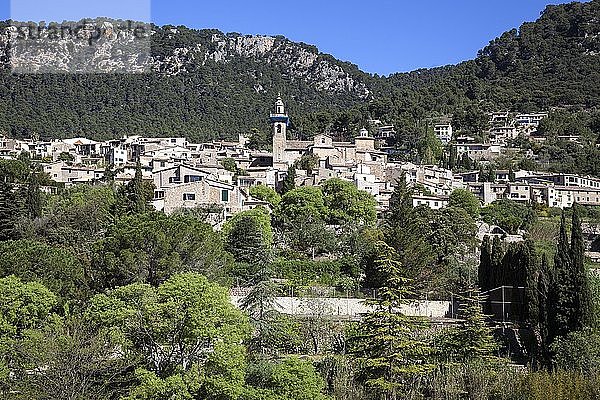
(207, 84)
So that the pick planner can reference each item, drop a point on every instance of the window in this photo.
(191, 178)
(224, 195)
(189, 196)
(162, 163)
(173, 140)
(322, 140)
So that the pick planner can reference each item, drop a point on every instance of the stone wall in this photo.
(352, 307)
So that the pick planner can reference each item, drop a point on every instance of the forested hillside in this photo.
(207, 84)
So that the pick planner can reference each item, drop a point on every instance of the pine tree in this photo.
(474, 339)
(260, 305)
(390, 355)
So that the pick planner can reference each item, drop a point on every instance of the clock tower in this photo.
(279, 119)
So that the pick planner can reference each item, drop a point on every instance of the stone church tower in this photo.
(279, 120)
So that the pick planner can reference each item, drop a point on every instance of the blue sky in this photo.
(380, 36)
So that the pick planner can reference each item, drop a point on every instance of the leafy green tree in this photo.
(346, 203)
(57, 268)
(64, 156)
(302, 204)
(150, 247)
(78, 215)
(248, 236)
(71, 361)
(430, 148)
(229, 164)
(307, 162)
(509, 215)
(578, 351)
(259, 140)
(390, 355)
(310, 237)
(290, 378)
(265, 193)
(466, 200)
(24, 307)
(187, 333)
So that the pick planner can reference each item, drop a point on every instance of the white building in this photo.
(443, 132)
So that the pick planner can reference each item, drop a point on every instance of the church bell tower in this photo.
(279, 119)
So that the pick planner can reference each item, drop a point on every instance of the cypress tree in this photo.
(452, 158)
(496, 275)
(485, 264)
(33, 198)
(511, 174)
(581, 291)
(465, 162)
(529, 273)
(138, 200)
(400, 204)
(545, 298)
(483, 176)
(562, 285)
(491, 174)
(289, 182)
(9, 211)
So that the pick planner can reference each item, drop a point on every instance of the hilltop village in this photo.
(188, 175)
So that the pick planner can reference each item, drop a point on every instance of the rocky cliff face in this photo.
(109, 46)
(293, 59)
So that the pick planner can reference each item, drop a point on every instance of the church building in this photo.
(330, 153)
